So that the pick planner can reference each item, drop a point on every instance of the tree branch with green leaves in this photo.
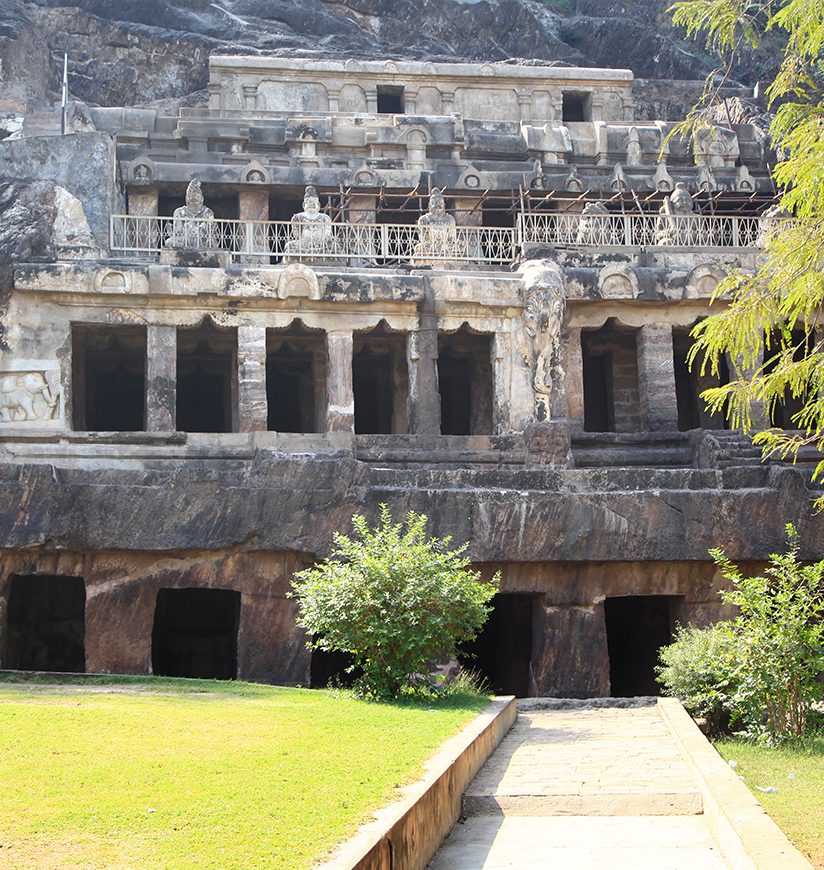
(767, 325)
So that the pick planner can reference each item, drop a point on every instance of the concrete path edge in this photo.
(748, 838)
(406, 834)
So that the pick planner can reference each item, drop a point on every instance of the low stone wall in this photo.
(406, 834)
(748, 837)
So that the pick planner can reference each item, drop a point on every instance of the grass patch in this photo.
(796, 769)
(137, 772)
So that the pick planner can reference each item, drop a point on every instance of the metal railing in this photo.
(359, 244)
(282, 241)
(639, 230)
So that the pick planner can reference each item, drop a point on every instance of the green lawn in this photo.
(172, 773)
(797, 771)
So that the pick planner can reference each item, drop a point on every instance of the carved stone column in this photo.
(656, 377)
(573, 363)
(340, 396)
(466, 214)
(424, 398)
(760, 418)
(143, 201)
(422, 361)
(161, 378)
(254, 206)
(501, 382)
(251, 378)
(569, 652)
(362, 208)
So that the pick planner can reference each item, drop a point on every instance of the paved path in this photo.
(583, 787)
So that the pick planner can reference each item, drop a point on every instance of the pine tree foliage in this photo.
(769, 325)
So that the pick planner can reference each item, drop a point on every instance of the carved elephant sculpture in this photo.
(19, 393)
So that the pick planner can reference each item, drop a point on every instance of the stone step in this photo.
(600, 803)
(585, 761)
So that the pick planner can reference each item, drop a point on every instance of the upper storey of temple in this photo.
(397, 125)
(487, 92)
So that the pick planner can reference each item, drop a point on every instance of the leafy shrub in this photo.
(779, 630)
(764, 667)
(395, 599)
(697, 668)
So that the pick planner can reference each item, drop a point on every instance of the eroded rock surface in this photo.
(128, 52)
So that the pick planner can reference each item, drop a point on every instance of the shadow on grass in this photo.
(235, 688)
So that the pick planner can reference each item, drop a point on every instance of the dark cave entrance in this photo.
(380, 382)
(330, 667)
(46, 624)
(465, 383)
(502, 652)
(206, 379)
(637, 627)
(109, 378)
(612, 400)
(295, 379)
(195, 633)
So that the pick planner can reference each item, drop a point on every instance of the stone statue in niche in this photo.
(675, 226)
(142, 174)
(26, 397)
(312, 231)
(193, 224)
(594, 227)
(539, 179)
(770, 224)
(540, 340)
(437, 232)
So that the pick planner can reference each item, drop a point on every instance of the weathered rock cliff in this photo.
(127, 52)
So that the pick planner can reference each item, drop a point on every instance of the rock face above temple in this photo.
(128, 52)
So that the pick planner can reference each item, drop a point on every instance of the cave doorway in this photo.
(612, 400)
(46, 624)
(195, 633)
(465, 383)
(637, 627)
(690, 382)
(108, 378)
(502, 652)
(206, 379)
(295, 379)
(380, 382)
(330, 668)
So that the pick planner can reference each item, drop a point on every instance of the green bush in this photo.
(395, 599)
(697, 668)
(779, 630)
(763, 668)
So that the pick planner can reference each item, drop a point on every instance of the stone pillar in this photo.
(760, 417)
(424, 398)
(466, 215)
(656, 378)
(253, 203)
(422, 360)
(573, 365)
(501, 382)
(161, 378)
(251, 379)
(143, 201)
(569, 651)
(362, 208)
(340, 397)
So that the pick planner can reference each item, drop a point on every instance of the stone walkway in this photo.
(580, 785)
